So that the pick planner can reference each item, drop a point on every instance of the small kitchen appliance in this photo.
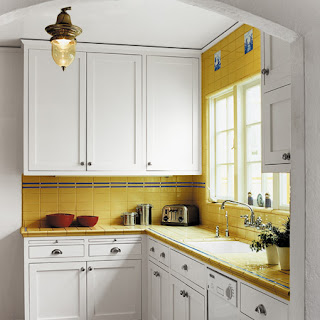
(180, 215)
(144, 214)
(129, 218)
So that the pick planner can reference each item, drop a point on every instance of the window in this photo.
(235, 148)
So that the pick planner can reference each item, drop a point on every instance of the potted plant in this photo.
(282, 241)
(266, 241)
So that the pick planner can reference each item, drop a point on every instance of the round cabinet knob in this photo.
(82, 163)
(83, 269)
(56, 252)
(265, 71)
(182, 292)
(152, 249)
(185, 295)
(180, 219)
(89, 163)
(162, 255)
(115, 250)
(149, 163)
(261, 309)
(90, 268)
(184, 267)
(286, 156)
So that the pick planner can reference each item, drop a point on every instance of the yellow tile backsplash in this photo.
(106, 197)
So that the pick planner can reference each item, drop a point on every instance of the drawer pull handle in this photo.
(115, 250)
(261, 309)
(157, 274)
(152, 249)
(56, 252)
(184, 267)
(162, 255)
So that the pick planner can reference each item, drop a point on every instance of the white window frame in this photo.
(240, 163)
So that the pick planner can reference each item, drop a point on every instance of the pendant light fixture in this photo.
(63, 39)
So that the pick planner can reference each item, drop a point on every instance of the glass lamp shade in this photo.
(63, 52)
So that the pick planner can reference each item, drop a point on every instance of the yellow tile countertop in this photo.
(251, 267)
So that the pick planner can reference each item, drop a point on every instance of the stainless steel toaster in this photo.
(180, 215)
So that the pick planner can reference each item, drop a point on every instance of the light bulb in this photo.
(63, 52)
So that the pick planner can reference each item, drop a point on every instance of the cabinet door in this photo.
(56, 114)
(114, 290)
(116, 128)
(173, 114)
(276, 127)
(187, 304)
(58, 291)
(275, 56)
(158, 293)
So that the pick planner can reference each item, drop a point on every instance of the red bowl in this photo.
(87, 221)
(60, 220)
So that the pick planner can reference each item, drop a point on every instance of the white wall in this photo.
(11, 242)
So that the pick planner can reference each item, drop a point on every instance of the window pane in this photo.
(254, 143)
(253, 104)
(254, 179)
(221, 115)
(221, 147)
(225, 181)
(230, 118)
(267, 185)
(284, 189)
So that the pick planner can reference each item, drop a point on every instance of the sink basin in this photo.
(217, 247)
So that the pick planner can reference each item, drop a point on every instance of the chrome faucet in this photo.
(252, 220)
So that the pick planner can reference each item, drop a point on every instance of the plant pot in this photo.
(284, 257)
(272, 255)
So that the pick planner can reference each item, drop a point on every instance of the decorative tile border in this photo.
(77, 185)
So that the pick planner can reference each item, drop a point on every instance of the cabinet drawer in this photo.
(114, 249)
(159, 252)
(56, 251)
(252, 300)
(189, 268)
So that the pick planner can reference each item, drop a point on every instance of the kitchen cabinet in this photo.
(55, 115)
(116, 128)
(276, 130)
(58, 291)
(114, 290)
(187, 303)
(113, 111)
(275, 62)
(276, 104)
(158, 297)
(173, 114)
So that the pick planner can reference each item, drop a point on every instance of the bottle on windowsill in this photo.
(250, 199)
(268, 201)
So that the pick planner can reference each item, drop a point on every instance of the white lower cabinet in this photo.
(187, 303)
(158, 297)
(58, 291)
(114, 290)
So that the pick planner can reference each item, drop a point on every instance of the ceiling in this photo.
(165, 23)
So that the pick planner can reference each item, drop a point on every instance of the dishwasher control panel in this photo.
(222, 286)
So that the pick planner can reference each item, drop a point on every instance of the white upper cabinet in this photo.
(173, 114)
(55, 115)
(276, 128)
(275, 61)
(276, 104)
(114, 109)
(115, 121)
